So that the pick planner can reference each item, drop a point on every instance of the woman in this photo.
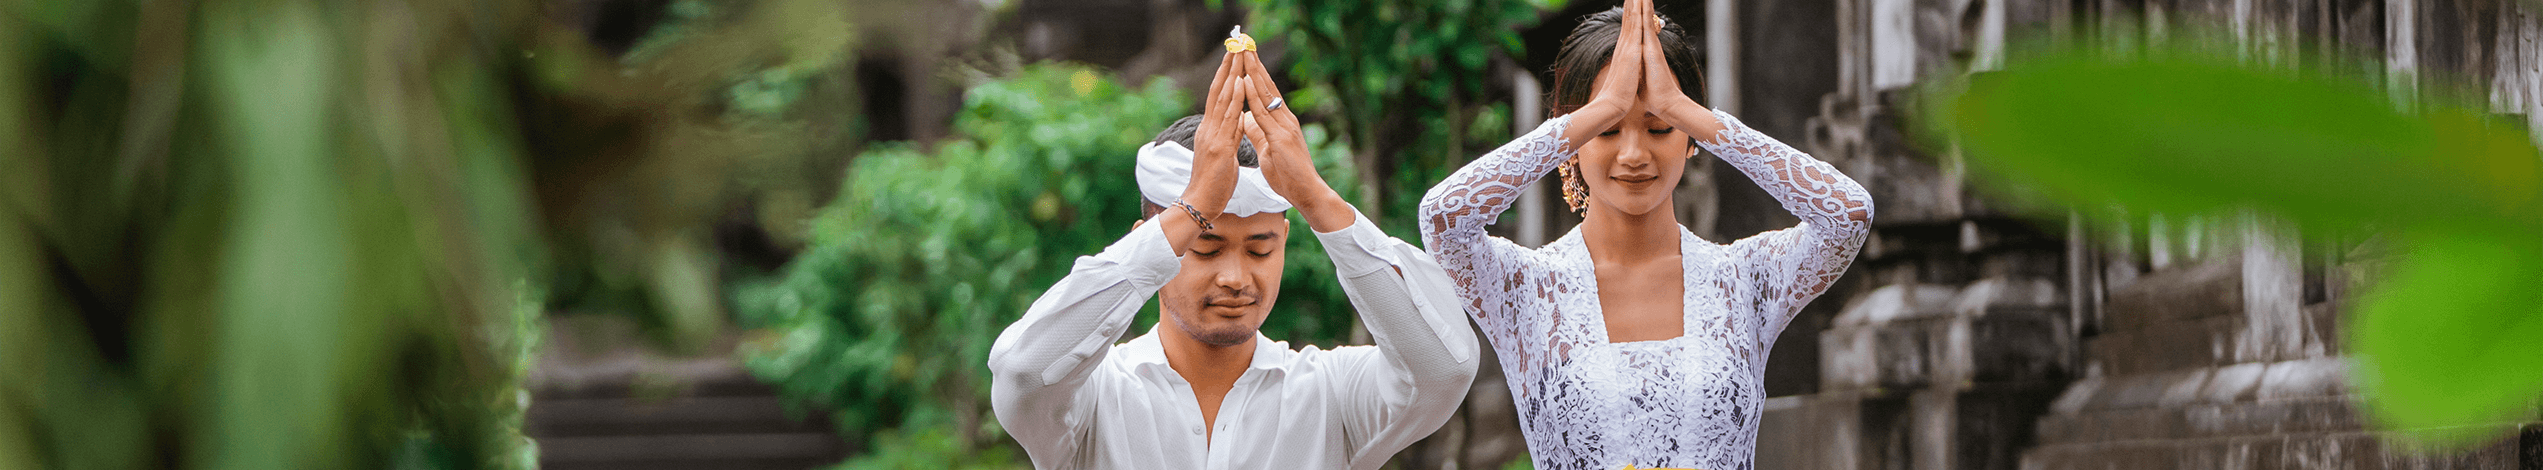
(1630, 341)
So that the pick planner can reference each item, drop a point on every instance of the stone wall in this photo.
(1968, 338)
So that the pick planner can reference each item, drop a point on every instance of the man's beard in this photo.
(1231, 334)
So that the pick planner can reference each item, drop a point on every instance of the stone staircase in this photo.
(603, 401)
(2183, 377)
(1959, 344)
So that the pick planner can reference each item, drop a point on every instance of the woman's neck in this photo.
(1614, 235)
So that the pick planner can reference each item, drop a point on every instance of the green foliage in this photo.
(2445, 338)
(271, 260)
(297, 234)
(926, 256)
(932, 448)
(1406, 79)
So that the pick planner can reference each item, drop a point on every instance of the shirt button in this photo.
(1196, 429)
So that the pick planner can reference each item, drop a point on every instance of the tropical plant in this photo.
(1406, 80)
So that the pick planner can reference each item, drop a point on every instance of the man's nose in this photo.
(1233, 277)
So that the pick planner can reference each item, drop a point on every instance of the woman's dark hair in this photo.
(1586, 52)
(1592, 43)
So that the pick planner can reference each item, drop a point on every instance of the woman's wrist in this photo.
(1685, 114)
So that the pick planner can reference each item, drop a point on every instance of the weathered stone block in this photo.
(2209, 288)
(2304, 379)
(1945, 351)
(2176, 345)
(1896, 302)
(2019, 348)
(2000, 294)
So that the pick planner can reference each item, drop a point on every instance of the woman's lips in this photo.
(1639, 180)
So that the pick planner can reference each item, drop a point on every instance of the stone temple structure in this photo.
(1965, 337)
(1971, 334)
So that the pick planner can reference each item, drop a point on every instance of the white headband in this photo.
(1165, 168)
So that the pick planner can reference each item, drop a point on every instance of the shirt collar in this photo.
(1147, 351)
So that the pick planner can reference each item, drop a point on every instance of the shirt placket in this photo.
(1231, 413)
(1194, 448)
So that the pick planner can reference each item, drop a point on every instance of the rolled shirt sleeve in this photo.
(1411, 310)
(1042, 361)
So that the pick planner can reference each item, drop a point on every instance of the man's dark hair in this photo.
(1184, 129)
(1587, 51)
(1181, 133)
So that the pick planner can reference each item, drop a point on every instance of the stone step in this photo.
(2181, 344)
(691, 451)
(685, 415)
(1914, 353)
(2203, 289)
(2519, 448)
(2272, 417)
(2226, 385)
(2213, 342)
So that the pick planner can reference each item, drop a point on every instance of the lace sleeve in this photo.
(1454, 213)
(1798, 263)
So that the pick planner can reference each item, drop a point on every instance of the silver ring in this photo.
(1276, 103)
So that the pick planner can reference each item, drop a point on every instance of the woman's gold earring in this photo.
(1575, 193)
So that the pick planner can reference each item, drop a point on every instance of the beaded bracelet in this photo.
(1195, 213)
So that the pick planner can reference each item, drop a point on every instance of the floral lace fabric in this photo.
(1693, 401)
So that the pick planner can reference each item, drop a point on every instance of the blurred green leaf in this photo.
(2448, 337)
(2194, 133)
(276, 406)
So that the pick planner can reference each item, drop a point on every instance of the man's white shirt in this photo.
(1075, 400)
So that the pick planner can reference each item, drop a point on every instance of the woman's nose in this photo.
(1632, 155)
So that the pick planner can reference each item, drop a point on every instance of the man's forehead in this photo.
(1264, 226)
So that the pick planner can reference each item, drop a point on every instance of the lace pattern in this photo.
(1693, 401)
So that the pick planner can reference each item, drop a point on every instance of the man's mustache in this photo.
(1239, 300)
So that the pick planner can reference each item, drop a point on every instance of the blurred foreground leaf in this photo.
(2445, 340)
(2190, 133)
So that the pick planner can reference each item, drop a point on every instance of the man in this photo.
(1203, 389)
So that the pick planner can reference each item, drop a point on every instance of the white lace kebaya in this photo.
(1687, 402)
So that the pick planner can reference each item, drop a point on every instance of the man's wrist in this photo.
(1325, 210)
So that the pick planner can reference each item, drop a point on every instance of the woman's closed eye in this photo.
(1265, 254)
(1663, 131)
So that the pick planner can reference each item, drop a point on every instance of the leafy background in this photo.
(301, 234)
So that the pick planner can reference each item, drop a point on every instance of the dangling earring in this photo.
(1575, 193)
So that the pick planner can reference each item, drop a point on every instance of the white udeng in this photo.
(1075, 400)
(1687, 402)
